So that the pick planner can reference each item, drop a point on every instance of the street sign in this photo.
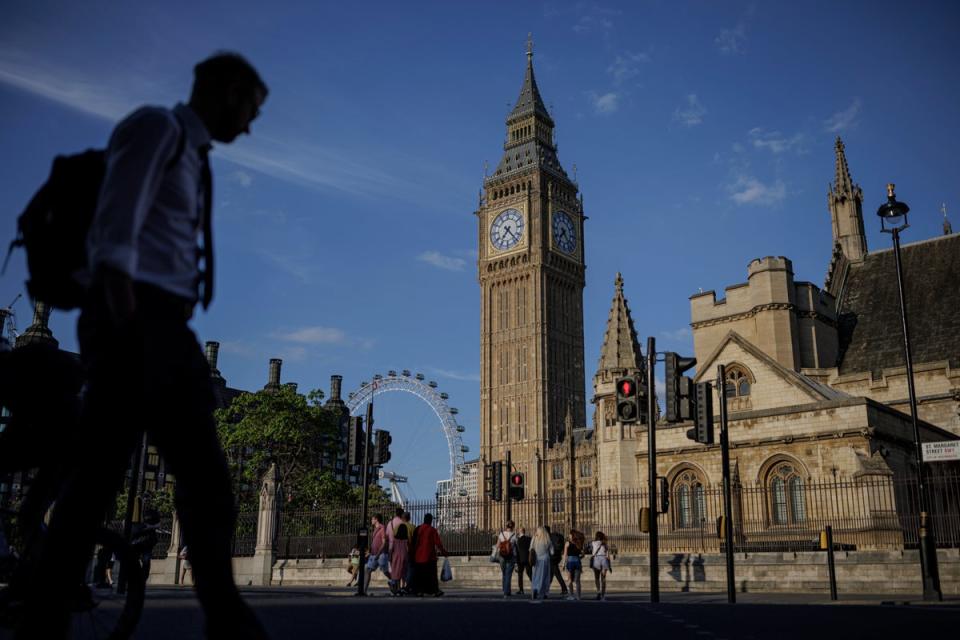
(941, 451)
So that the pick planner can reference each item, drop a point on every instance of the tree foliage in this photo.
(291, 430)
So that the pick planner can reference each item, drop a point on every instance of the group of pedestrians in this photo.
(407, 556)
(546, 556)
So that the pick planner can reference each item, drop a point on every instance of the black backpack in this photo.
(53, 228)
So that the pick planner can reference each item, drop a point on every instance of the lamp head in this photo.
(893, 214)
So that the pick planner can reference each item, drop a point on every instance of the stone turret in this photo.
(619, 356)
(273, 379)
(211, 350)
(38, 331)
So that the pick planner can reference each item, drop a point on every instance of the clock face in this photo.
(564, 233)
(507, 229)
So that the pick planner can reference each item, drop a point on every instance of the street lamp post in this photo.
(893, 219)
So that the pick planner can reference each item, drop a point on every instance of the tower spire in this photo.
(620, 350)
(842, 181)
(947, 227)
(530, 141)
(845, 202)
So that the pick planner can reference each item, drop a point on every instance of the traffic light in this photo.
(496, 481)
(381, 447)
(628, 400)
(515, 489)
(355, 441)
(680, 396)
(663, 489)
(702, 430)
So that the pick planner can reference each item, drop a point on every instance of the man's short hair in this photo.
(428, 519)
(219, 71)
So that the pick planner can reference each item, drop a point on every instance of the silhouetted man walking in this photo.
(146, 369)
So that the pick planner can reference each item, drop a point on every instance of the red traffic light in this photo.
(626, 387)
(516, 479)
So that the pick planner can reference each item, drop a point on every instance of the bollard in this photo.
(830, 565)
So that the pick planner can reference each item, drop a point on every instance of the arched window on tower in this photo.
(787, 500)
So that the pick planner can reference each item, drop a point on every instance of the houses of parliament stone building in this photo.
(816, 382)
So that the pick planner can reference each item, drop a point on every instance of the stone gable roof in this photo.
(706, 371)
(871, 337)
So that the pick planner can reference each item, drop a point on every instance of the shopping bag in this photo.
(495, 554)
(446, 573)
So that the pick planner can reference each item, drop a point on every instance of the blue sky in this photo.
(702, 133)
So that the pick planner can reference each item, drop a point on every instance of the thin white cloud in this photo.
(293, 354)
(843, 119)
(605, 104)
(595, 19)
(454, 375)
(242, 178)
(691, 113)
(312, 335)
(749, 190)
(287, 158)
(437, 259)
(732, 41)
(303, 269)
(627, 65)
(774, 141)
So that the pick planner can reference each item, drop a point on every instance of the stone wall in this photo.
(863, 572)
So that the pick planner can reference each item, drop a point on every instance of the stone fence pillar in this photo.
(263, 555)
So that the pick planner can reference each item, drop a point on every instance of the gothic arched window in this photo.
(787, 498)
(690, 509)
(738, 381)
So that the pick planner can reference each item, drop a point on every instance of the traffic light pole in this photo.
(725, 462)
(509, 497)
(652, 468)
(362, 537)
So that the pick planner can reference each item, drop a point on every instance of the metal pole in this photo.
(830, 565)
(725, 462)
(652, 468)
(136, 474)
(362, 538)
(929, 570)
(509, 471)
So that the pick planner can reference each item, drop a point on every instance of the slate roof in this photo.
(529, 100)
(530, 152)
(871, 338)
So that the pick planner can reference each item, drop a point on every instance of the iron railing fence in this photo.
(245, 534)
(874, 512)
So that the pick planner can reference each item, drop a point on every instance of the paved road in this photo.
(291, 613)
(294, 613)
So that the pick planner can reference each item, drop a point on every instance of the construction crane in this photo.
(395, 480)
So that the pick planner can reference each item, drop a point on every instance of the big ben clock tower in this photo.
(531, 273)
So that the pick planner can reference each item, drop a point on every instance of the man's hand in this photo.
(118, 292)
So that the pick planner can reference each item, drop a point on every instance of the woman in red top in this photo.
(426, 542)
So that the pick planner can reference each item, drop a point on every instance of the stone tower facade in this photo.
(845, 201)
(619, 356)
(531, 274)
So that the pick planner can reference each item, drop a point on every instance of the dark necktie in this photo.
(206, 180)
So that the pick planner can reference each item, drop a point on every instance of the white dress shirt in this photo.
(149, 211)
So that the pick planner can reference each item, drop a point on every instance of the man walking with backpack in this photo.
(507, 552)
(146, 369)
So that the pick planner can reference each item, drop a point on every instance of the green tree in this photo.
(282, 427)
